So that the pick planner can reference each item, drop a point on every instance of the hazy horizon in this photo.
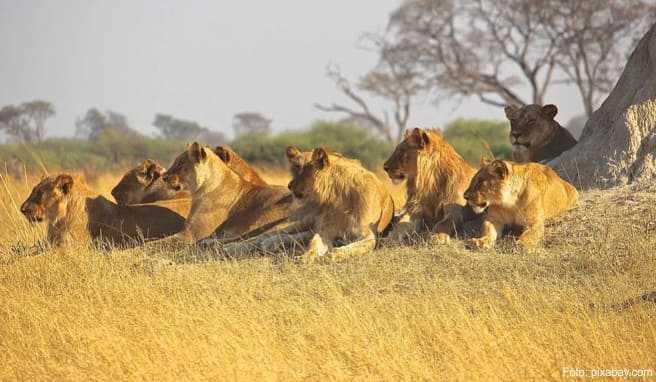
(201, 60)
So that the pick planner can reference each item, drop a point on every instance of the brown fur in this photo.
(239, 165)
(342, 202)
(535, 135)
(518, 195)
(77, 215)
(224, 205)
(144, 184)
(437, 177)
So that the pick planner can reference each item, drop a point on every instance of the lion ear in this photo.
(549, 111)
(197, 152)
(153, 170)
(419, 137)
(499, 168)
(65, 183)
(320, 157)
(222, 153)
(485, 160)
(292, 153)
(512, 112)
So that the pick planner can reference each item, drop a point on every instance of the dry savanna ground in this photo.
(413, 313)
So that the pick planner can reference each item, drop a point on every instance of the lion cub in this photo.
(341, 202)
(517, 195)
(77, 215)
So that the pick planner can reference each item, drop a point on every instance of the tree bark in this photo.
(618, 143)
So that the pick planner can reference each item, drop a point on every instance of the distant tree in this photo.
(250, 122)
(174, 128)
(493, 49)
(26, 122)
(181, 129)
(94, 123)
(395, 79)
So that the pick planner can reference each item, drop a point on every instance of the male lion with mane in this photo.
(517, 196)
(75, 214)
(535, 135)
(341, 202)
(437, 177)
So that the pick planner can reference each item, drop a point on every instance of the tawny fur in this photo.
(436, 176)
(517, 195)
(341, 202)
(535, 135)
(77, 215)
(224, 205)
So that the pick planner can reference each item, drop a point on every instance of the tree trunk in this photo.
(618, 143)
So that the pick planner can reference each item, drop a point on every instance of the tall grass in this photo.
(400, 313)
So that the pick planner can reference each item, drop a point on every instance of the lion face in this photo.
(530, 127)
(304, 167)
(139, 184)
(48, 199)
(403, 161)
(488, 186)
(188, 170)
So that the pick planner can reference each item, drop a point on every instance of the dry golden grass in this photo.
(441, 313)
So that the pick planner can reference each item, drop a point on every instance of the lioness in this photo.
(75, 214)
(224, 205)
(437, 177)
(342, 202)
(144, 184)
(535, 135)
(519, 196)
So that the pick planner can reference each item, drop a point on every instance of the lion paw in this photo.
(480, 243)
(440, 238)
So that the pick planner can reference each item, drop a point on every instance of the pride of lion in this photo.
(333, 207)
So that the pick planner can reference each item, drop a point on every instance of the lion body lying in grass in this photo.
(341, 203)
(75, 214)
(437, 177)
(224, 205)
(144, 183)
(518, 195)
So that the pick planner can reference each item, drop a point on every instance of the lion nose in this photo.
(515, 134)
(386, 167)
(467, 195)
(289, 186)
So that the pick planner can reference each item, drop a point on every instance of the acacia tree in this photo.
(26, 122)
(395, 79)
(493, 49)
(181, 129)
(250, 122)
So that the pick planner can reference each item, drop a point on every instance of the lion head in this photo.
(238, 165)
(488, 186)
(142, 184)
(531, 127)
(190, 169)
(304, 167)
(417, 143)
(49, 199)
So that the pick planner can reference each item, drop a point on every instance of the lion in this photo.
(144, 184)
(341, 203)
(535, 135)
(437, 177)
(517, 195)
(75, 214)
(224, 205)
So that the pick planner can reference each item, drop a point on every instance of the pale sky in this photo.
(199, 60)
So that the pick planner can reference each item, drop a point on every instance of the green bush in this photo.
(349, 140)
(108, 152)
(473, 138)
